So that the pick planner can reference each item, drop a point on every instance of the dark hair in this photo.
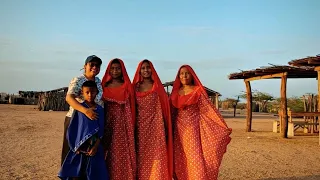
(115, 61)
(145, 60)
(90, 84)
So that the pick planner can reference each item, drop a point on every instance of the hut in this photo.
(53, 100)
(213, 95)
(29, 97)
(282, 72)
(16, 99)
(4, 97)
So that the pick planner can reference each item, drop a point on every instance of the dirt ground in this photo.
(31, 144)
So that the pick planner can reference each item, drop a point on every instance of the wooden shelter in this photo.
(310, 62)
(53, 100)
(273, 72)
(213, 95)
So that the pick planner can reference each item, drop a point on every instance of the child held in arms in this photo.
(85, 159)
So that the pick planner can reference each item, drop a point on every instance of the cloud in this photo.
(273, 52)
(6, 42)
(209, 31)
(193, 30)
(223, 63)
(28, 79)
(220, 63)
(39, 65)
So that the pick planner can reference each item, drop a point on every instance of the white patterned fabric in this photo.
(75, 88)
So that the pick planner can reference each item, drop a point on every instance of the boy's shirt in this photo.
(75, 89)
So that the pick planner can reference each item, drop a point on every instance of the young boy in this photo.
(85, 159)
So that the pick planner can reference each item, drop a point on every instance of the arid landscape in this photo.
(31, 143)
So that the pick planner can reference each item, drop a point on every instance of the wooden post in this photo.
(318, 104)
(318, 71)
(217, 101)
(249, 106)
(284, 106)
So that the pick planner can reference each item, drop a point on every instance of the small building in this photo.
(27, 97)
(213, 95)
(4, 97)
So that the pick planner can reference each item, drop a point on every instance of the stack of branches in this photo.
(54, 101)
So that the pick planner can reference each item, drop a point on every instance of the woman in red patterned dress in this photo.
(153, 125)
(118, 96)
(200, 133)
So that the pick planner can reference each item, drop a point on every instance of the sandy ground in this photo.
(31, 144)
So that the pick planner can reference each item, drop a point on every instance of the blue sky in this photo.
(43, 44)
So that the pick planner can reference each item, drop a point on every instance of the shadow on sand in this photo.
(255, 117)
(311, 177)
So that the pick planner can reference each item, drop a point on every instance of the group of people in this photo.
(121, 129)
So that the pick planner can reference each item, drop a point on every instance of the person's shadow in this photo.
(310, 177)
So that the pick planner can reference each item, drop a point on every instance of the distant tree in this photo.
(260, 98)
(310, 101)
(296, 104)
(233, 103)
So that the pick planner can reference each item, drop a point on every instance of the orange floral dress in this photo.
(119, 141)
(152, 160)
(200, 140)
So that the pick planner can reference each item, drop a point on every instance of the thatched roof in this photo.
(269, 72)
(36, 93)
(311, 61)
(59, 89)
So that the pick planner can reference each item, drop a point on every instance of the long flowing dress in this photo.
(153, 131)
(152, 157)
(119, 128)
(201, 135)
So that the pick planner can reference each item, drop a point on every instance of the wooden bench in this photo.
(309, 124)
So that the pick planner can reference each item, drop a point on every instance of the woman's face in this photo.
(92, 69)
(185, 76)
(115, 70)
(145, 70)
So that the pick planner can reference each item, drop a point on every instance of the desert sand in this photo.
(31, 144)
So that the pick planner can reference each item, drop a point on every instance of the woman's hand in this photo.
(91, 114)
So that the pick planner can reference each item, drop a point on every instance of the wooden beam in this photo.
(249, 106)
(267, 76)
(317, 68)
(318, 97)
(299, 114)
(283, 106)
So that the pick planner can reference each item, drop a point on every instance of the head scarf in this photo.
(121, 93)
(182, 101)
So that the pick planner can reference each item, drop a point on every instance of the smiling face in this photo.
(185, 76)
(89, 93)
(145, 70)
(115, 70)
(92, 69)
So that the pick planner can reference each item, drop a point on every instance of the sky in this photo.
(43, 44)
